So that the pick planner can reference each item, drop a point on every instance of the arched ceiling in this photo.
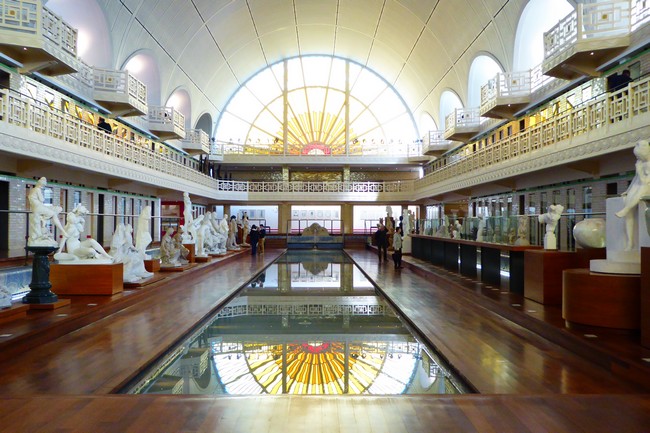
(210, 47)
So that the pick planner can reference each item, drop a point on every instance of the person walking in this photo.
(254, 237)
(397, 246)
(260, 243)
(381, 239)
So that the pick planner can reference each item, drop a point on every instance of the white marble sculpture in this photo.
(480, 233)
(125, 252)
(189, 234)
(203, 236)
(551, 218)
(5, 297)
(143, 232)
(246, 229)
(172, 251)
(639, 187)
(411, 218)
(72, 249)
(522, 231)
(220, 235)
(231, 244)
(40, 214)
(590, 233)
(406, 222)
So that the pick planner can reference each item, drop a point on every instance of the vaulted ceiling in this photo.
(211, 47)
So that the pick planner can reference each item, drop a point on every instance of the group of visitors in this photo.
(257, 237)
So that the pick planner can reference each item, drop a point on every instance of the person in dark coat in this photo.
(381, 238)
(104, 125)
(254, 238)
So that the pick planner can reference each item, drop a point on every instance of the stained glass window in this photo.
(333, 107)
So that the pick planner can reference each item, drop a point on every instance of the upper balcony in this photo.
(434, 143)
(197, 142)
(37, 38)
(462, 124)
(166, 123)
(506, 94)
(587, 38)
(120, 92)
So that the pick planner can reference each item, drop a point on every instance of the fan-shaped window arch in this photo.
(333, 106)
(537, 17)
(205, 123)
(483, 69)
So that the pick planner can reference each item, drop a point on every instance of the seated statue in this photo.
(72, 248)
(40, 214)
(126, 253)
(172, 251)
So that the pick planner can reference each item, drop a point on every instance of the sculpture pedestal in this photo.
(543, 271)
(87, 279)
(152, 265)
(202, 259)
(407, 245)
(192, 252)
(40, 286)
(603, 300)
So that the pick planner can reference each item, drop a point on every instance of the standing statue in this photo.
(126, 253)
(74, 247)
(406, 222)
(39, 234)
(231, 244)
(639, 187)
(202, 234)
(189, 234)
(522, 230)
(143, 233)
(220, 234)
(480, 233)
(551, 219)
(246, 229)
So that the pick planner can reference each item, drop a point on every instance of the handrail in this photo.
(607, 108)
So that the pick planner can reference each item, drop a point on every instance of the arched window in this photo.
(539, 16)
(483, 69)
(333, 106)
(449, 101)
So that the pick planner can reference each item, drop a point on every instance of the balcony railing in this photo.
(58, 33)
(111, 85)
(25, 112)
(407, 148)
(196, 141)
(166, 122)
(316, 187)
(599, 112)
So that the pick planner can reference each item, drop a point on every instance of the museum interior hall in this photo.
(328, 215)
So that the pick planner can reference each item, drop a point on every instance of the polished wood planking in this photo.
(354, 414)
(496, 354)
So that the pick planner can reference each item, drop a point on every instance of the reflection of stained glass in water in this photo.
(314, 368)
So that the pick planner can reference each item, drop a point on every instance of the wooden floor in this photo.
(57, 369)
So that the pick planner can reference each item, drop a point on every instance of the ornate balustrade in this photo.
(60, 36)
(120, 92)
(27, 113)
(588, 37)
(166, 122)
(196, 141)
(595, 114)
(316, 187)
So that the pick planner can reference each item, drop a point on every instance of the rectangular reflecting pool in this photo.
(310, 323)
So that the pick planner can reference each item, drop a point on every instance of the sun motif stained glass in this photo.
(333, 107)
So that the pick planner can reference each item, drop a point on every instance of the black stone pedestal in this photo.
(40, 286)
